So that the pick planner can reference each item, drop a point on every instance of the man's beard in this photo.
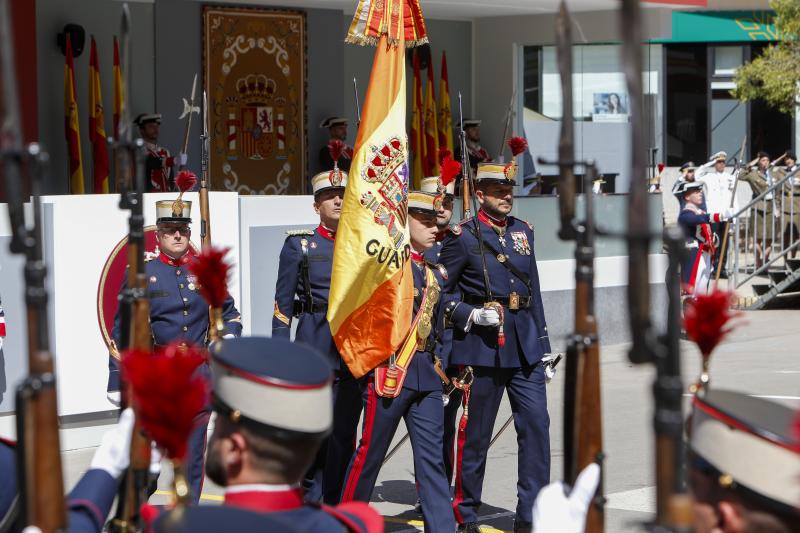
(215, 469)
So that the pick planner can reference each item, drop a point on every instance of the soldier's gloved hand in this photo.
(113, 455)
(182, 159)
(728, 213)
(482, 316)
(155, 460)
(1, 342)
(547, 362)
(556, 512)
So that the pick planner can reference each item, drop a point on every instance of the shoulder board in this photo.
(438, 266)
(300, 232)
(149, 256)
(513, 218)
(455, 229)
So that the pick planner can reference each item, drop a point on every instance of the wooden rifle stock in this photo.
(38, 451)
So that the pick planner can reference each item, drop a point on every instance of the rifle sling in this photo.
(508, 265)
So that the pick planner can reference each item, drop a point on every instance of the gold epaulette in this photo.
(300, 232)
(438, 266)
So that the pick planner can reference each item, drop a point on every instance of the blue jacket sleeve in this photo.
(454, 258)
(690, 218)
(90, 502)
(232, 317)
(286, 287)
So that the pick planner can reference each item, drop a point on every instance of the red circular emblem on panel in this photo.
(111, 281)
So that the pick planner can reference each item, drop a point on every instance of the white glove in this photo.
(113, 455)
(1, 342)
(155, 460)
(555, 512)
(549, 371)
(182, 159)
(727, 213)
(115, 397)
(482, 316)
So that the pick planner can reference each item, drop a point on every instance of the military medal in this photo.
(153, 279)
(501, 258)
(521, 244)
(191, 286)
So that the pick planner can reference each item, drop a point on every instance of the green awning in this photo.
(722, 26)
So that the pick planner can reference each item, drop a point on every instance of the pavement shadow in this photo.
(402, 491)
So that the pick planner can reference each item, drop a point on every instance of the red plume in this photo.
(185, 181)
(661, 167)
(167, 393)
(444, 153)
(517, 145)
(450, 169)
(706, 318)
(336, 147)
(212, 272)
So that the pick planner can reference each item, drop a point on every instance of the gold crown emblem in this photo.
(255, 88)
(383, 161)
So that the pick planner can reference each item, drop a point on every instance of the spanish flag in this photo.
(97, 128)
(72, 126)
(371, 297)
(445, 118)
(117, 91)
(417, 128)
(431, 129)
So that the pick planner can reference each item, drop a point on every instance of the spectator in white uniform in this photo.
(719, 186)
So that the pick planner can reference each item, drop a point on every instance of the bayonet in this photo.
(188, 110)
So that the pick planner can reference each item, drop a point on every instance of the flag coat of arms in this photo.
(371, 296)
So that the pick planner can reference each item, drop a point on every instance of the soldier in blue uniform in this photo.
(337, 127)
(409, 387)
(258, 455)
(304, 280)
(177, 311)
(501, 332)
(696, 270)
(9, 507)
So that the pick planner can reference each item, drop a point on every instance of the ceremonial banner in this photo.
(417, 128)
(431, 128)
(255, 79)
(445, 118)
(97, 128)
(371, 297)
(117, 91)
(72, 127)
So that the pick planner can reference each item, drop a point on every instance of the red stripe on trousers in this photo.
(462, 438)
(361, 454)
(693, 275)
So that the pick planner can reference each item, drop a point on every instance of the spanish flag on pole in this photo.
(117, 91)
(97, 128)
(445, 118)
(371, 297)
(431, 129)
(418, 169)
(72, 126)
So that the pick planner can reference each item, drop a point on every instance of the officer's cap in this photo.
(433, 185)
(471, 122)
(497, 172)
(146, 118)
(173, 211)
(278, 385)
(332, 179)
(747, 443)
(424, 203)
(686, 167)
(719, 156)
(333, 121)
(682, 187)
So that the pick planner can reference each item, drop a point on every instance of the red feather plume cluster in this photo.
(450, 168)
(706, 319)
(517, 145)
(212, 273)
(336, 147)
(167, 393)
(444, 153)
(661, 167)
(185, 181)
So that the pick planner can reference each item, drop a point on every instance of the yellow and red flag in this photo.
(431, 128)
(71, 125)
(97, 128)
(117, 91)
(420, 162)
(372, 286)
(445, 118)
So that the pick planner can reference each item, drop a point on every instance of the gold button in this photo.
(185, 328)
(181, 285)
(186, 299)
(185, 313)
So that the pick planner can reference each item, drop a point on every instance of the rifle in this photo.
(506, 124)
(134, 303)
(583, 430)
(674, 507)
(205, 178)
(38, 452)
(722, 249)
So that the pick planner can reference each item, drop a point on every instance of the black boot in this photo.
(469, 527)
(522, 527)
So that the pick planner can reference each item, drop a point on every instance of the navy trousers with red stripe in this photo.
(423, 413)
(450, 430)
(528, 397)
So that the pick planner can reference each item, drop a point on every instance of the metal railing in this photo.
(765, 231)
